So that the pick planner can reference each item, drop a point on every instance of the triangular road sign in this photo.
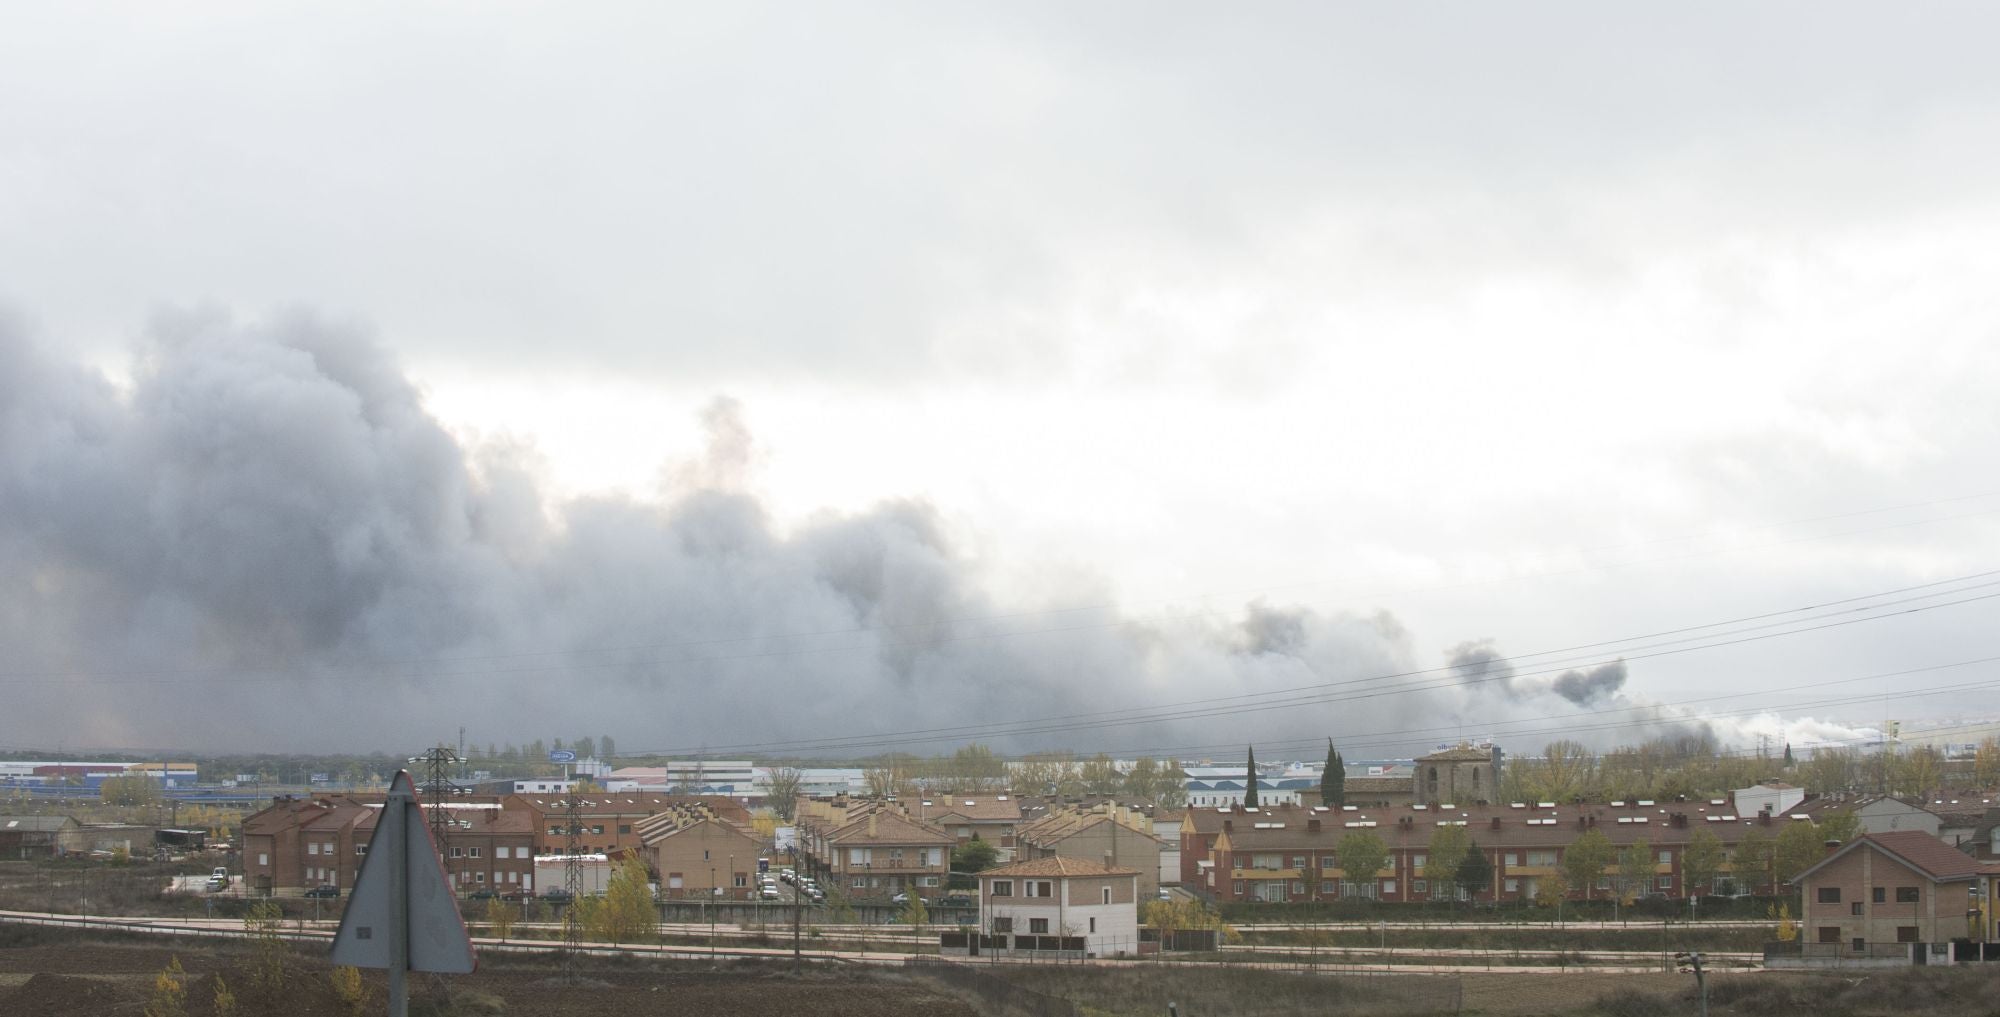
(402, 915)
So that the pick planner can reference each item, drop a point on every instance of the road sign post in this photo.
(401, 915)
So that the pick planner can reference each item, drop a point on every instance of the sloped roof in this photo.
(1355, 785)
(1461, 754)
(1057, 865)
(1914, 848)
(1059, 825)
(35, 824)
(975, 808)
(890, 828)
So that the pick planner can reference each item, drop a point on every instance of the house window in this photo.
(928, 881)
(312, 848)
(1419, 886)
(1906, 895)
(1666, 858)
(598, 829)
(1513, 886)
(472, 852)
(860, 882)
(1326, 886)
(1093, 925)
(1003, 888)
(1038, 926)
(1327, 862)
(1238, 888)
(1881, 894)
(1510, 859)
(674, 881)
(360, 849)
(263, 859)
(1829, 933)
(1829, 895)
(1859, 944)
(1298, 861)
(1107, 896)
(1855, 908)
(500, 852)
(742, 880)
(624, 828)
(1666, 882)
(479, 877)
(1389, 886)
(458, 852)
(1417, 861)
(1906, 933)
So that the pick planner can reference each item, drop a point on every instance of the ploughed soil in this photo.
(86, 978)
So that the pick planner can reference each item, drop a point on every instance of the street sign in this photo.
(562, 756)
(401, 915)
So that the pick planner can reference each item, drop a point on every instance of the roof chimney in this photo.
(1229, 824)
(1832, 845)
(1496, 822)
(1313, 824)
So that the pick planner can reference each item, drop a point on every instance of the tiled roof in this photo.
(1461, 754)
(1355, 785)
(1058, 866)
(1529, 826)
(36, 824)
(1059, 825)
(976, 808)
(1926, 853)
(890, 828)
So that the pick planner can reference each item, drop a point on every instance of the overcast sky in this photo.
(733, 375)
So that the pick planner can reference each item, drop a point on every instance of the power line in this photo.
(1318, 693)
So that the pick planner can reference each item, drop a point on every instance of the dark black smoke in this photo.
(1591, 685)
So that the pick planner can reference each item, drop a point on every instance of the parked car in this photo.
(768, 892)
(955, 900)
(483, 893)
(558, 895)
(324, 891)
(901, 898)
(516, 895)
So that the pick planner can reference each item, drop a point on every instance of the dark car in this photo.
(956, 900)
(558, 896)
(323, 891)
(481, 894)
(516, 895)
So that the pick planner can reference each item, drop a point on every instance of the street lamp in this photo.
(714, 891)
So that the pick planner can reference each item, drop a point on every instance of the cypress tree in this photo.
(1250, 780)
(1333, 780)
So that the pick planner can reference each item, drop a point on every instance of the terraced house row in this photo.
(1292, 852)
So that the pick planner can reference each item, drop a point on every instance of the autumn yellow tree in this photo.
(625, 914)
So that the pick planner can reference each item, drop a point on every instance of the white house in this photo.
(1057, 906)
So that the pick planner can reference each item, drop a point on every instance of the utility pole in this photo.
(572, 882)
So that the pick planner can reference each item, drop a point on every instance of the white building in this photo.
(1059, 906)
(1777, 796)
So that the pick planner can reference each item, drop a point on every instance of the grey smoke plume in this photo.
(267, 542)
(1478, 666)
(1591, 685)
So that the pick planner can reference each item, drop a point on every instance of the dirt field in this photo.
(81, 979)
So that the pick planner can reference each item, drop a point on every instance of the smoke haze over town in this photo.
(1142, 379)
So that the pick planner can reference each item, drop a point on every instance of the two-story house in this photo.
(1061, 905)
